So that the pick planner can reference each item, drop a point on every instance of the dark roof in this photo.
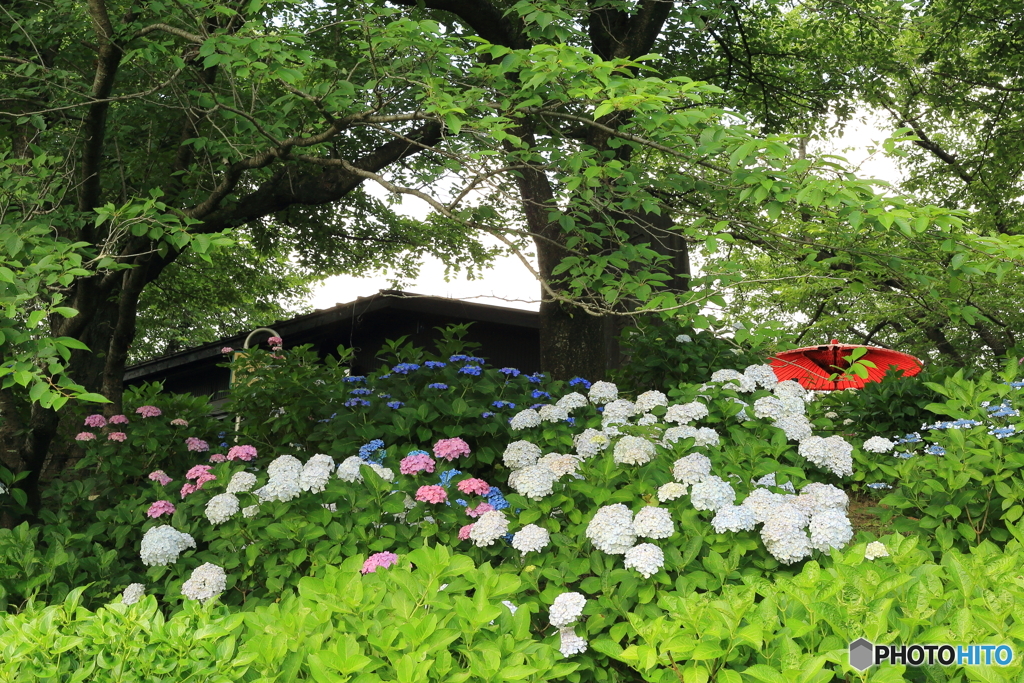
(509, 336)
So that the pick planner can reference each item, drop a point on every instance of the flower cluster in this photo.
(207, 582)
(377, 561)
(417, 461)
(450, 449)
(162, 544)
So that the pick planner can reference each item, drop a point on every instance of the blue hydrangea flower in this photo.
(437, 385)
(935, 449)
(447, 476)
(909, 438)
(537, 393)
(405, 368)
(1002, 432)
(371, 450)
(353, 402)
(503, 404)
(458, 358)
(324, 420)
(486, 414)
(537, 406)
(470, 370)
(435, 364)
(361, 391)
(536, 378)
(904, 455)
(496, 500)
(509, 371)
(1017, 385)
(394, 404)
(571, 421)
(354, 378)
(579, 380)
(880, 485)
(476, 359)
(462, 502)
(417, 451)
(385, 376)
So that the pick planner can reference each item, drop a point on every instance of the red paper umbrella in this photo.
(812, 366)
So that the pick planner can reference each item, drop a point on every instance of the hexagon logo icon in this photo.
(862, 654)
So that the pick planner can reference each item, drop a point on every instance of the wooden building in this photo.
(508, 337)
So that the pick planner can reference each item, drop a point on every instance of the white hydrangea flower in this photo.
(832, 453)
(207, 582)
(686, 412)
(647, 419)
(316, 473)
(348, 470)
(691, 468)
(241, 482)
(783, 534)
(162, 544)
(796, 427)
(733, 518)
(525, 419)
(133, 593)
(653, 522)
(762, 375)
(848, 421)
(792, 405)
(830, 528)
(491, 526)
(284, 466)
(553, 413)
(531, 539)
(221, 508)
(671, 491)
(566, 609)
(769, 407)
(385, 473)
(603, 392)
(874, 550)
(284, 487)
(769, 480)
(646, 558)
(590, 442)
(712, 493)
(571, 402)
(878, 444)
(611, 529)
(633, 450)
(618, 412)
(761, 502)
(534, 482)
(684, 339)
(560, 464)
(790, 388)
(250, 511)
(519, 454)
(826, 496)
(832, 415)
(649, 400)
(570, 644)
(705, 436)
(673, 434)
(734, 380)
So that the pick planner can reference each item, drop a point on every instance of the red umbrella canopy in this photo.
(811, 366)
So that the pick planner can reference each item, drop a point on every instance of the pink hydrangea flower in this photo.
(227, 349)
(479, 509)
(197, 471)
(477, 486)
(118, 420)
(95, 421)
(187, 489)
(464, 532)
(242, 453)
(149, 411)
(276, 342)
(411, 464)
(379, 560)
(160, 477)
(196, 445)
(161, 507)
(218, 457)
(117, 436)
(449, 449)
(85, 436)
(178, 422)
(431, 494)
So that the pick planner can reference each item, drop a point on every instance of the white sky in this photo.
(510, 284)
